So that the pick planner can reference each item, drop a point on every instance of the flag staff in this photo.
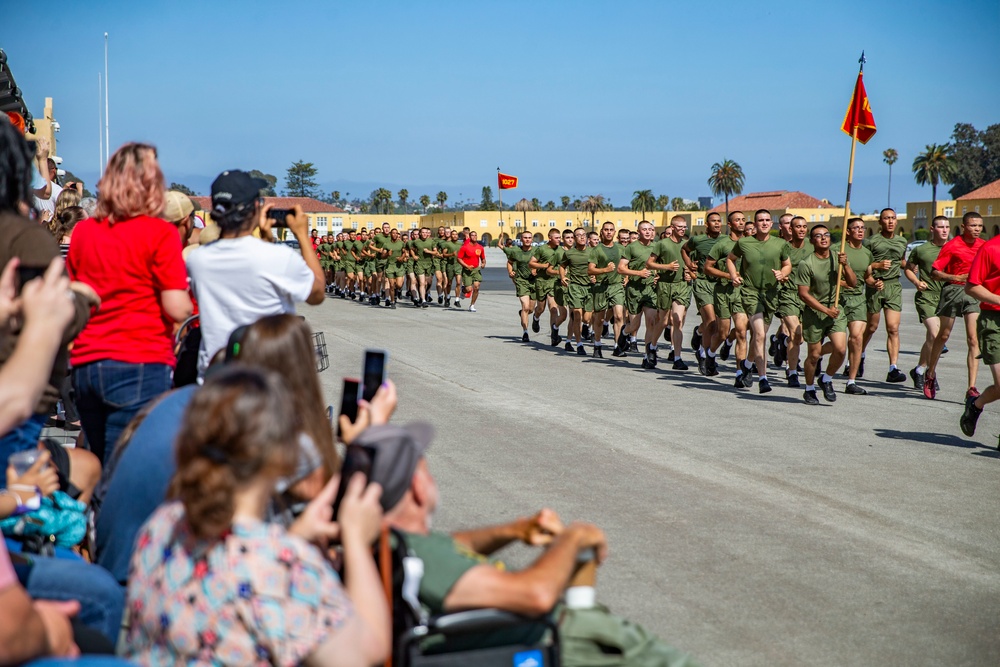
(500, 199)
(850, 179)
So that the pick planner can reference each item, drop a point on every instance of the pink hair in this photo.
(132, 184)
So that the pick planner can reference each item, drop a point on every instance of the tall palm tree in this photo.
(593, 204)
(441, 198)
(403, 195)
(642, 201)
(677, 204)
(335, 196)
(565, 202)
(726, 180)
(935, 165)
(425, 201)
(524, 206)
(663, 202)
(889, 156)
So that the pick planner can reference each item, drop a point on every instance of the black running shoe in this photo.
(895, 375)
(606, 331)
(671, 356)
(651, 355)
(679, 365)
(703, 366)
(447, 302)
(793, 381)
(724, 350)
(619, 352)
(427, 299)
(970, 417)
(855, 389)
(809, 396)
(738, 383)
(944, 350)
(645, 363)
(440, 299)
(598, 354)
(666, 334)
(696, 339)
(569, 346)
(388, 302)
(861, 368)
(524, 337)
(586, 332)
(763, 386)
(535, 326)
(633, 346)
(747, 379)
(392, 305)
(828, 393)
(772, 349)
(711, 368)
(918, 379)
(781, 353)
(425, 304)
(622, 339)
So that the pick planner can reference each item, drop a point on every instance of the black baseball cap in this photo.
(235, 188)
(398, 450)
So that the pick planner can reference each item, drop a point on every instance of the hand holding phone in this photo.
(280, 216)
(373, 372)
(349, 402)
(357, 459)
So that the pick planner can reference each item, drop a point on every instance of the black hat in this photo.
(235, 188)
(398, 450)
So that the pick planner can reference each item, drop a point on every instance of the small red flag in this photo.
(859, 114)
(506, 182)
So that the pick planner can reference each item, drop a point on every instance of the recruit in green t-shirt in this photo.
(719, 252)
(520, 257)
(759, 259)
(603, 255)
(923, 257)
(576, 262)
(637, 254)
(668, 251)
(882, 249)
(699, 246)
(820, 276)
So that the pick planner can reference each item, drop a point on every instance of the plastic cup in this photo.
(22, 461)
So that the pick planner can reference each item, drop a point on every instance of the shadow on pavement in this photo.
(930, 438)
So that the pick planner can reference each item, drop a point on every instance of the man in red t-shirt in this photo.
(983, 284)
(952, 267)
(472, 257)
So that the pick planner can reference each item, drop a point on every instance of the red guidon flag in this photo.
(506, 182)
(859, 114)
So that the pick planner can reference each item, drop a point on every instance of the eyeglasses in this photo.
(824, 235)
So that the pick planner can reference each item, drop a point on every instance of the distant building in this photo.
(986, 202)
(705, 203)
(324, 218)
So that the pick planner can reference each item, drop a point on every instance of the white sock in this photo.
(710, 354)
(920, 370)
(825, 378)
(892, 367)
(862, 355)
(812, 387)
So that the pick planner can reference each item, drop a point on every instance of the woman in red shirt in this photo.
(124, 356)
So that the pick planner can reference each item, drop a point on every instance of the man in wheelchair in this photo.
(460, 573)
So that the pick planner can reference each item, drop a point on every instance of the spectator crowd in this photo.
(191, 522)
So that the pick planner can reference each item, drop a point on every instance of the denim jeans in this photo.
(110, 393)
(22, 437)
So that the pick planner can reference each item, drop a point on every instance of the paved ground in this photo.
(748, 530)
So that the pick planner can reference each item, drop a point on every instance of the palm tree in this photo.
(726, 179)
(524, 206)
(442, 197)
(663, 202)
(425, 201)
(403, 194)
(677, 204)
(593, 204)
(642, 201)
(335, 196)
(550, 205)
(565, 202)
(536, 203)
(889, 156)
(935, 165)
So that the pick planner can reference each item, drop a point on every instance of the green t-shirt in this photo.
(576, 263)
(637, 254)
(520, 257)
(324, 252)
(699, 246)
(395, 249)
(820, 275)
(759, 259)
(546, 254)
(883, 249)
(796, 255)
(451, 247)
(719, 252)
(418, 248)
(667, 251)
(923, 257)
(601, 256)
(859, 259)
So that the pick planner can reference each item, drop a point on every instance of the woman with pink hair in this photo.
(124, 356)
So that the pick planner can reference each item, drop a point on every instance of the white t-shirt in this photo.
(50, 203)
(238, 281)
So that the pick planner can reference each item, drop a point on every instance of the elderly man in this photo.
(459, 572)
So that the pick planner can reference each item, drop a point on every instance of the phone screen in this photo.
(373, 372)
(280, 216)
(349, 400)
(357, 459)
(26, 273)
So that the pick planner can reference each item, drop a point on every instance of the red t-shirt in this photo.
(128, 264)
(985, 270)
(471, 253)
(956, 257)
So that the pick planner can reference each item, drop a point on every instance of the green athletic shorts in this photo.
(471, 276)
(764, 302)
(559, 294)
(423, 268)
(452, 270)
(394, 270)
(988, 334)
(890, 298)
(368, 269)
(704, 293)
(523, 287)
(668, 294)
(816, 326)
(639, 295)
(598, 298)
(577, 296)
(615, 292)
(543, 288)
(789, 303)
(955, 302)
(381, 264)
(853, 307)
(926, 304)
(436, 264)
(726, 299)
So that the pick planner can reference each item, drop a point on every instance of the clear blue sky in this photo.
(575, 98)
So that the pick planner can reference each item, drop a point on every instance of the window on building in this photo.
(965, 210)
(949, 212)
(413, 225)
(321, 219)
(371, 225)
(700, 221)
(976, 209)
(354, 226)
(569, 223)
(534, 223)
(989, 210)
(399, 225)
(812, 218)
(483, 223)
(552, 223)
(338, 222)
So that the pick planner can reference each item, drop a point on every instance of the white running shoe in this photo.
(472, 309)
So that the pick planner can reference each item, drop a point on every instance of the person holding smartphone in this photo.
(241, 278)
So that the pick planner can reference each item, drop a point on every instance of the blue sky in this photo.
(574, 98)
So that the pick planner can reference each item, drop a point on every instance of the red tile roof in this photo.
(988, 191)
(775, 200)
(308, 204)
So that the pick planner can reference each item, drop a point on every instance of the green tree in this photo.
(642, 201)
(272, 181)
(677, 204)
(934, 166)
(70, 177)
(441, 198)
(487, 203)
(523, 205)
(593, 204)
(565, 202)
(976, 157)
(662, 203)
(535, 204)
(726, 180)
(425, 201)
(180, 187)
(300, 180)
(403, 195)
(550, 205)
(335, 196)
(575, 204)
(889, 156)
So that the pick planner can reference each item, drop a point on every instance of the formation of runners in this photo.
(385, 265)
(605, 285)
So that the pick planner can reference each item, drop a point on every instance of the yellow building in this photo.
(781, 202)
(984, 201)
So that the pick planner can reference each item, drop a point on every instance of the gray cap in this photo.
(398, 450)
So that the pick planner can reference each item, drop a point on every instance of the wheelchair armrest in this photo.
(481, 620)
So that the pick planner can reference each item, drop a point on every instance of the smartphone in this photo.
(280, 216)
(349, 400)
(357, 458)
(373, 372)
(26, 273)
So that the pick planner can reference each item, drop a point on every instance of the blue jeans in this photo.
(22, 437)
(110, 393)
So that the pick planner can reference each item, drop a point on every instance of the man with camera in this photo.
(240, 278)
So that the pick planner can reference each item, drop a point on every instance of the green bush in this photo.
(921, 234)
